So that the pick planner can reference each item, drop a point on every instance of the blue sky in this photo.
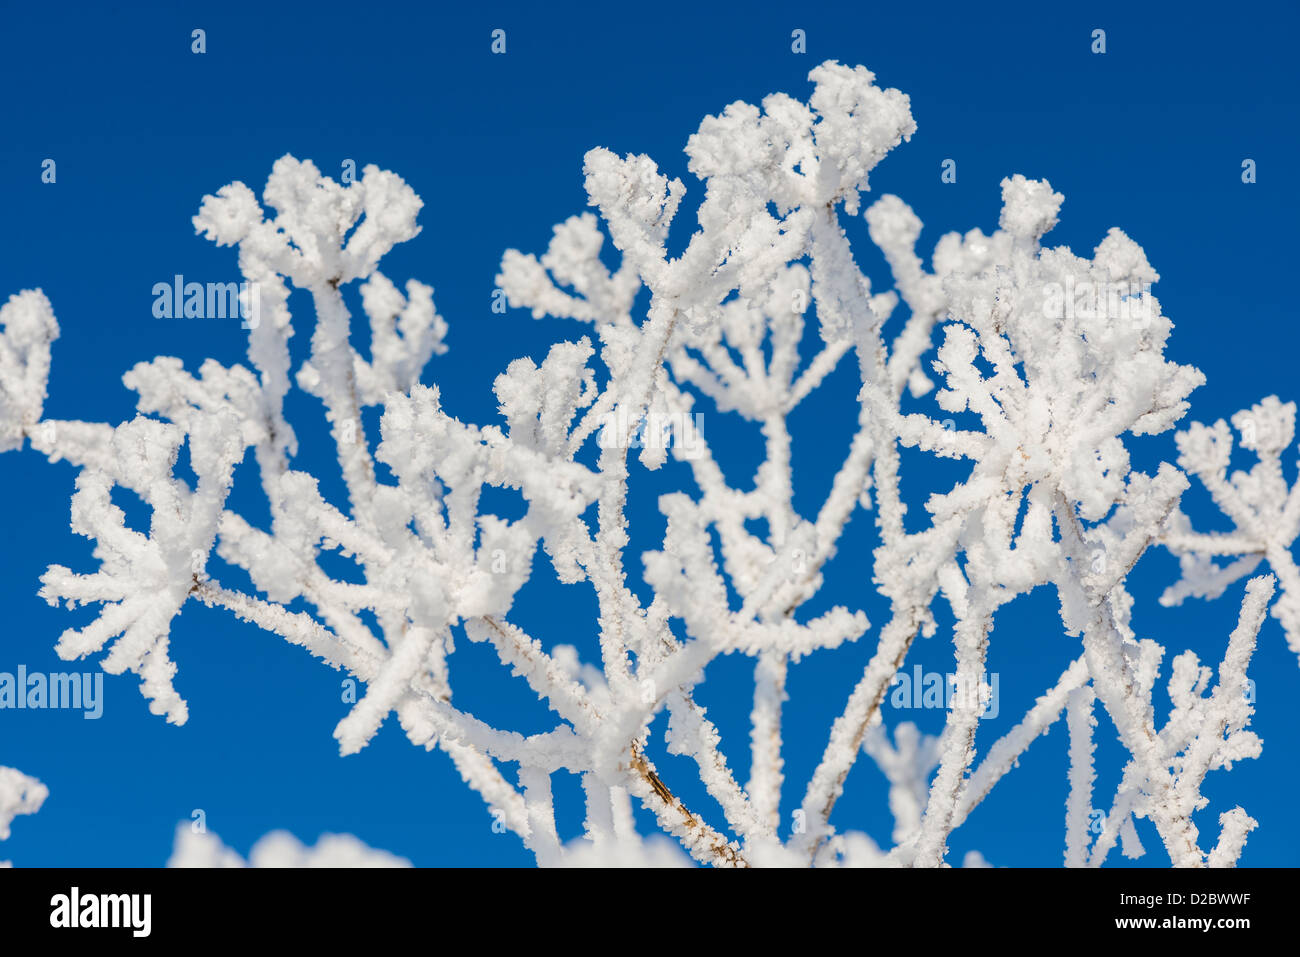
(1149, 136)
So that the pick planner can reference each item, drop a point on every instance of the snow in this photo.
(1051, 390)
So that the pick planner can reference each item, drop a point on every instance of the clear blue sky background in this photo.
(1149, 137)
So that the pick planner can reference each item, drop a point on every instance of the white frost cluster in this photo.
(27, 328)
(278, 849)
(1040, 397)
(1264, 510)
(19, 794)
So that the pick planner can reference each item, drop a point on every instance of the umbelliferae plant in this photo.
(1049, 360)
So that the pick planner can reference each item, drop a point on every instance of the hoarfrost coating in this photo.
(1050, 394)
(19, 794)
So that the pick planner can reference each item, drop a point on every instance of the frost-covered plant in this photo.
(277, 849)
(19, 794)
(1050, 396)
(1266, 513)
